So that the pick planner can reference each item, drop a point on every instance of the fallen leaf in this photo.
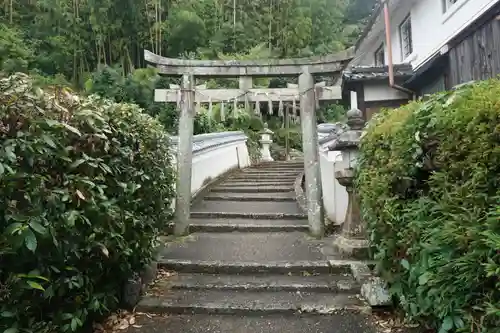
(80, 194)
(123, 325)
(104, 250)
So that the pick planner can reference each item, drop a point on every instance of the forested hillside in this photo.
(73, 37)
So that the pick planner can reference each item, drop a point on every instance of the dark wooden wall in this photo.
(477, 56)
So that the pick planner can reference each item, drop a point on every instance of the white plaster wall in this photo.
(212, 163)
(380, 91)
(216, 158)
(327, 184)
(334, 195)
(431, 28)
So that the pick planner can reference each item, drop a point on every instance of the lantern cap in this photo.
(349, 140)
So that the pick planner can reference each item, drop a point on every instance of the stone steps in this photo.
(246, 225)
(247, 207)
(280, 165)
(216, 301)
(256, 268)
(276, 172)
(270, 182)
(252, 189)
(249, 215)
(213, 323)
(286, 172)
(266, 197)
(249, 256)
(245, 247)
(284, 282)
(261, 178)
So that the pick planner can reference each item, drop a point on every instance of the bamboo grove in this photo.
(73, 37)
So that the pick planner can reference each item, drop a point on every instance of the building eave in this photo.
(353, 74)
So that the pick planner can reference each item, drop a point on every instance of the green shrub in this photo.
(85, 186)
(294, 135)
(251, 126)
(203, 123)
(15, 55)
(429, 181)
(331, 113)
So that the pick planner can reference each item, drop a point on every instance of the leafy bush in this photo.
(85, 186)
(138, 87)
(251, 125)
(429, 180)
(331, 113)
(203, 123)
(15, 55)
(294, 135)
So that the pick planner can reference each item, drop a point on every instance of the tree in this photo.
(15, 55)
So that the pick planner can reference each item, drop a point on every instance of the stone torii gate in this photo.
(307, 94)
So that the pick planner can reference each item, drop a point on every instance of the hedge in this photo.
(85, 185)
(429, 182)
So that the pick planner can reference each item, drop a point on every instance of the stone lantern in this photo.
(353, 241)
(266, 140)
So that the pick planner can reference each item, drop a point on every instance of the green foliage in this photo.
(429, 180)
(98, 45)
(136, 87)
(186, 31)
(203, 123)
(14, 54)
(85, 186)
(74, 38)
(331, 114)
(244, 121)
(294, 137)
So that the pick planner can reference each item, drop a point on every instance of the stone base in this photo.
(352, 248)
(376, 293)
(137, 285)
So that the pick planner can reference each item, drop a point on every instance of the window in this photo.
(447, 4)
(380, 56)
(406, 38)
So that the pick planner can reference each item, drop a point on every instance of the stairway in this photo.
(250, 266)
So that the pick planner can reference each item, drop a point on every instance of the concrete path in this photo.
(250, 266)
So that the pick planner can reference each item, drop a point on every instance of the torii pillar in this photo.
(184, 156)
(313, 190)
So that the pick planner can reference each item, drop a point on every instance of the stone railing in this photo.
(214, 154)
(335, 198)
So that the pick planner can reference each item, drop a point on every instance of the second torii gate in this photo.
(306, 93)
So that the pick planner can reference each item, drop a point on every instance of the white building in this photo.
(434, 45)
